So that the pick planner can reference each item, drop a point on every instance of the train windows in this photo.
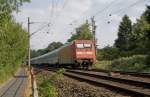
(80, 46)
(87, 45)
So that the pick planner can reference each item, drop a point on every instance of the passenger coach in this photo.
(79, 53)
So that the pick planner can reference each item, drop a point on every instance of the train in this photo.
(78, 53)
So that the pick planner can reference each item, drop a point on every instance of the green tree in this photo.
(125, 29)
(13, 39)
(107, 53)
(82, 32)
(54, 45)
(138, 40)
(147, 35)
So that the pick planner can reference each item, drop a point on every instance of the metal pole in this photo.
(29, 44)
(33, 83)
(29, 55)
(94, 33)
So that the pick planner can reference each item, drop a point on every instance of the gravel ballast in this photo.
(68, 87)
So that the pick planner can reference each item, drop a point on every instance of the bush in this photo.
(13, 48)
(107, 53)
(46, 87)
(105, 65)
(58, 74)
(130, 64)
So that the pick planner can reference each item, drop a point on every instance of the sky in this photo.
(56, 20)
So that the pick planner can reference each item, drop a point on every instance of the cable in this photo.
(65, 3)
(58, 15)
(52, 15)
(132, 5)
(105, 8)
(52, 10)
(40, 29)
(100, 11)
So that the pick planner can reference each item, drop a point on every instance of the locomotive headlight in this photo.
(80, 53)
(88, 53)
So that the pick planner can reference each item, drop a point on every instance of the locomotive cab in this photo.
(85, 53)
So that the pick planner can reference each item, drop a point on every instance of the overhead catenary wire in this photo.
(97, 13)
(105, 8)
(53, 9)
(130, 6)
(41, 28)
(54, 4)
(58, 15)
(110, 4)
(118, 12)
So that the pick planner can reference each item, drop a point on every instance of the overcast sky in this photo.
(66, 15)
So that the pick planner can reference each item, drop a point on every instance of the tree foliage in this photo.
(13, 39)
(52, 46)
(107, 53)
(147, 16)
(124, 32)
(132, 39)
(82, 32)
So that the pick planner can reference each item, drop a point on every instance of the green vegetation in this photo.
(46, 87)
(52, 46)
(124, 33)
(82, 32)
(126, 64)
(131, 51)
(130, 64)
(104, 65)
(13, 39)
(147, 16)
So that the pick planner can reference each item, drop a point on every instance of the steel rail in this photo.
(130, 80)
(144, 75)
(136, 90)
(134, 87)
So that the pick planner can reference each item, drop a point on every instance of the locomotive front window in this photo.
(80, 46)
(87, 45)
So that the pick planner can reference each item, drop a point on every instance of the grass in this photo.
(126, 64)
(46, 87)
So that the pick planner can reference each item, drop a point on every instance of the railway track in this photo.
(134, 85)
(131, 83)
(143, 75)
